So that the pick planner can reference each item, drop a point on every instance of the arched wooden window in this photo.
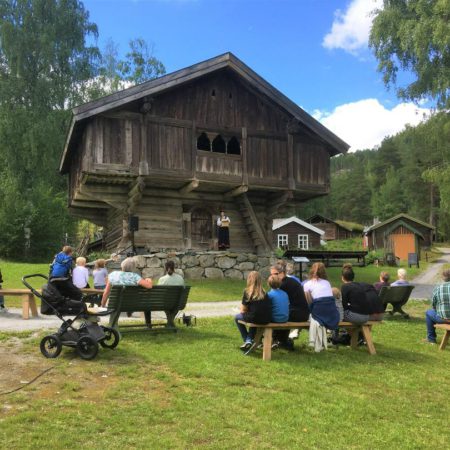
(203, 142)
(233, 147)
(219, 145)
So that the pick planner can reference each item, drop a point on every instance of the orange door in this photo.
(404, 244)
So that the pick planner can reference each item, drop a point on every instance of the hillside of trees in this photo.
(408, 173)
(49, 63)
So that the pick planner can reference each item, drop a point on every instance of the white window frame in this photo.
(282, 240)
(302, 239)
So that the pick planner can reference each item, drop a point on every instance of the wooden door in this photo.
(404, 244)
(201, 228)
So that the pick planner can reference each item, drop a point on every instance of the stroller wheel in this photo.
(51, 346)
(112, 338)
(87, 347)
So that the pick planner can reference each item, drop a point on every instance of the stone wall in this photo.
(196, 265)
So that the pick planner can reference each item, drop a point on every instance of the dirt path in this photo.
(12, 321)
(427, 280)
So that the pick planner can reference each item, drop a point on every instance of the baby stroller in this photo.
(84, 339)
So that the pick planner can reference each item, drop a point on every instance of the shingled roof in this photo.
(176, 79)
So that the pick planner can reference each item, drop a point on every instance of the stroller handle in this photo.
(28, 285)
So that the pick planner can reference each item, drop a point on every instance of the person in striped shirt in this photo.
(440, 313)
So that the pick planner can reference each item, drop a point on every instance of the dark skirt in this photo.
(224, 238)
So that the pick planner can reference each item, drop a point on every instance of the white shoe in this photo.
(294, 334)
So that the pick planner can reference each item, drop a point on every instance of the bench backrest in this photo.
(159, 298)
(395, 294)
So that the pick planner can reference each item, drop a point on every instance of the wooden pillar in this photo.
(194, 150)
(290, 162)
(244, 157)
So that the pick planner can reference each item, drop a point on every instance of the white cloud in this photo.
(365, 123)
(350, 29)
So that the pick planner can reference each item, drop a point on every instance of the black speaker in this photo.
(133, 223)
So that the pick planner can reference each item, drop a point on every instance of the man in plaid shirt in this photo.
(441, 307)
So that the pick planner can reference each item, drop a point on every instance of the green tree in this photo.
(45, 67)
(138, 65)
(414, 36)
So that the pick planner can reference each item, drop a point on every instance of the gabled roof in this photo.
(398, 217)
(175, 79)
(278, 223)
(348, 226)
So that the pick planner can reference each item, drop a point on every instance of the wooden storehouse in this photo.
(335, 229)
(400, 235)
(293, 233)
(174, 150)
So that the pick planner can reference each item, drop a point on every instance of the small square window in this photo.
(282, 240)
(303, 241)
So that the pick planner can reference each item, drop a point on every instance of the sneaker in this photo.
(294, 334)
(246, 345)
(426, 341)
(3, 310)
(275, 345)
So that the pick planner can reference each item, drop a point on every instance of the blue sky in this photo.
(314, 51)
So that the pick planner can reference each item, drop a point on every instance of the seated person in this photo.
(440, 313)
(256, 308)
(171, 278)
(125, 277)
(337, 296)
(290, 273)
(80, 275)
(60, 274)
(384, 281)
(320, 297)
(359, 306)
(401, 278)
(100, 274)
(279, 300)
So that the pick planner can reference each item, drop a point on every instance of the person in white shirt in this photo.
(223, 224)
(171, 278)
(80, 275)
(100, 274)
(324, 313)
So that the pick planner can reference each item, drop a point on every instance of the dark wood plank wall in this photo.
(293, 230)
(311, 163)
(197, 102)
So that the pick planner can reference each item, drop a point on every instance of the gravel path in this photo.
(12, 321)
(427, 280)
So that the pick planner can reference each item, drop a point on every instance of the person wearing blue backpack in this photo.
(60, 274)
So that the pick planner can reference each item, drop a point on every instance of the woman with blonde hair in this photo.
(256, 308)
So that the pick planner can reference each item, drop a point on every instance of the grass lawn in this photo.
(202, 290)
(194, 389)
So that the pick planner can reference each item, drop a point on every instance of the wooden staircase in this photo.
(253, 226)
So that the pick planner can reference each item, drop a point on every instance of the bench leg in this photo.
(267, 346)
(148, 318)
(444, 340)
(354, 335)
(25, 306)
(366, 331)
(257, 341)
(32, 301)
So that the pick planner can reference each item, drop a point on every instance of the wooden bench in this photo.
(29, 302)
(267, 330)
(170, 299)
(446, 327)
(397, 296)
